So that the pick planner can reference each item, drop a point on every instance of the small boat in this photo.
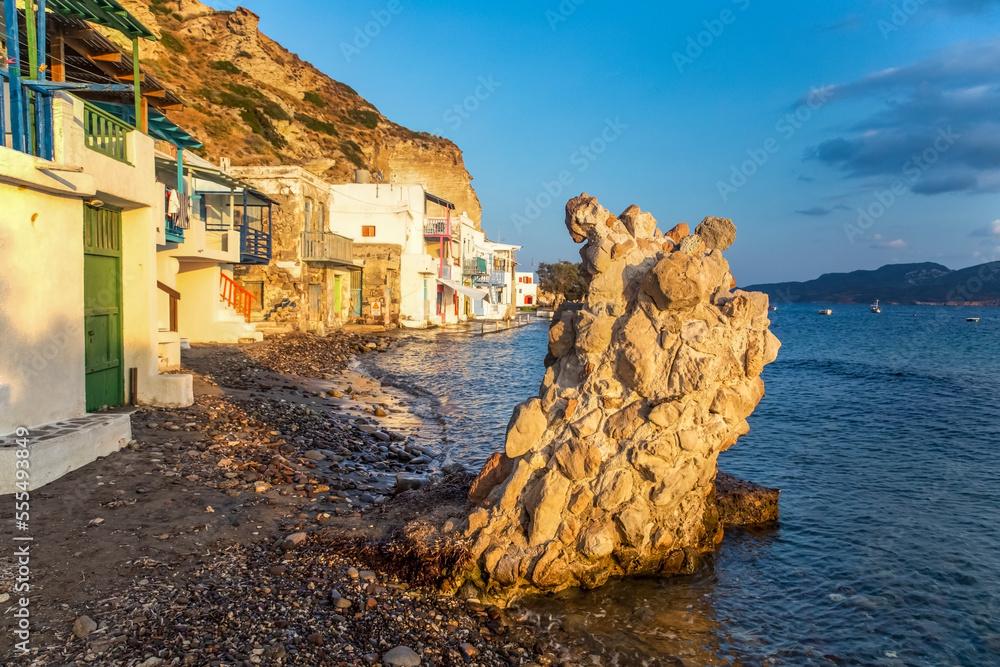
(773, 309)
(975, 319)
(875, 307)
(825, 311)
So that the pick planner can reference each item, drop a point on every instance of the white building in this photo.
(409, 242)
(198, 298)
(82, 216)
(527, 289)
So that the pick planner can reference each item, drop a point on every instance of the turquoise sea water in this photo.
(883, 432)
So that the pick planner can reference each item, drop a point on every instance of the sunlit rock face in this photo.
(610, 470)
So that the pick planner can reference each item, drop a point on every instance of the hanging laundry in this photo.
(173, 204)
(182, 213)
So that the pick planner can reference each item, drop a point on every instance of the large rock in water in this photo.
(611, 469)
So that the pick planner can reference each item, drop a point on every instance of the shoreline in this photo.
(266, 524)
(200, 537)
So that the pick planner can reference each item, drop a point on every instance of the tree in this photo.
(563, 279)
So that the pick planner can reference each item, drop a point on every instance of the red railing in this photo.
(235, 296)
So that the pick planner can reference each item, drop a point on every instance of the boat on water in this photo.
(773, 309)
(974, 319)
(875, 307)
(825, 311)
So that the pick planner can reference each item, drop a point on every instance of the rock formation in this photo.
(611, 469)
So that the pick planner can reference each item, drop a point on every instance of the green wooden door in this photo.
(102, 307)
(338, 299)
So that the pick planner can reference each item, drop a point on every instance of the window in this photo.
(309, 214)
(368, 231)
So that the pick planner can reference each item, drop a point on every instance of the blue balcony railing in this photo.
(255, 231)
(172, 232)
(255, 246)
(30, 129)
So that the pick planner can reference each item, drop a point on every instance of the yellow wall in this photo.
(41, 308)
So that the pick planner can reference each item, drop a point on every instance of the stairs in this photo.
(233, 321)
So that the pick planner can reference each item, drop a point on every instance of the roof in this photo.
(218, 177)
(108, 13)
(496, 245)
(438, 200)
(160, 127)
(85, 44)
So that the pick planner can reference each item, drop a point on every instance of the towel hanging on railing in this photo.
(182, 213)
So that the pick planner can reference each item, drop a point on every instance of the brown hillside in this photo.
(250, 99)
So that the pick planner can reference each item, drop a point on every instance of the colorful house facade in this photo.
(312, 280)
(82, 220)
(409, 241)
(526, 289)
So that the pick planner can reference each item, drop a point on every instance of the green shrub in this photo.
(171, 42)
(353, 153)
(225, 66)
(315, 98)
(244, 91)
(244, 97)
(274, 110)
(364, 118)
(261, 124)
(317, 125)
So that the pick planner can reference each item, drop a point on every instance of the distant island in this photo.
(923, 283)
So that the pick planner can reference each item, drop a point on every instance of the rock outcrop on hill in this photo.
(610, 470)
(250, 99)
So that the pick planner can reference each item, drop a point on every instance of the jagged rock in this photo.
(717, 233)
(526, 427)
(496, 469)
(679, 232)
(610, 470)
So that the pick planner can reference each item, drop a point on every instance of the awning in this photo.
(108, 13)
(160, 127)
(471, 292)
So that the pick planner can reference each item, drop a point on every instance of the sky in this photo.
(838, 135)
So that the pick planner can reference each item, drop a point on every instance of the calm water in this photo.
(883, 433)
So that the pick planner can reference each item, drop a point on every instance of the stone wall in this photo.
(287, 278)
(380, 280)
(610, 469)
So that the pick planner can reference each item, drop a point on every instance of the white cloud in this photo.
(893, 244)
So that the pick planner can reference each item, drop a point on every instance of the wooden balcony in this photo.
(327, 247)
(436, 228)
(475, 266)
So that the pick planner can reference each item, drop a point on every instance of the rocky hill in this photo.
(250, 99)
(926, 282)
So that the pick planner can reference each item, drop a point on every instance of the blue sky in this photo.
(838, 135)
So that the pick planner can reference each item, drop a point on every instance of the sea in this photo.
(883, 434)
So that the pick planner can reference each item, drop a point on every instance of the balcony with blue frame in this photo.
(36, 67)
(220, 205)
